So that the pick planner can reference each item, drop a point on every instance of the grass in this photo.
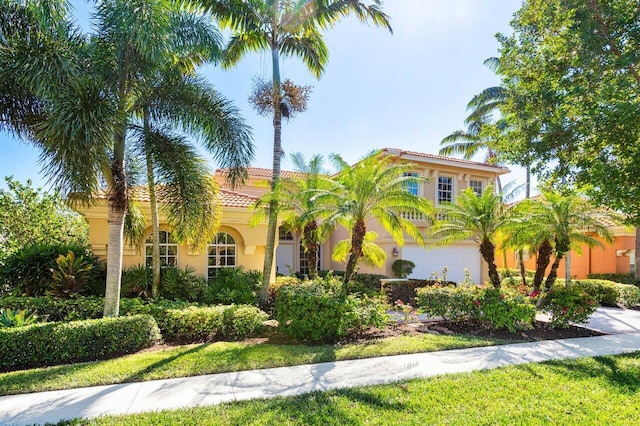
(588, 391)
(218, 357)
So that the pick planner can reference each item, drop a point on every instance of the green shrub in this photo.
(324, 272)
(10, 318)
(322, 311)
(57, 343)
(628, 295)
(234, 285)
(495, 308)
(368, 284)
(452, 303)
(512, 311)
(402, 268)
(605, 292)
(136, 281)
(515, 273)
(195, 324)
(243, 321)
(82, 308)
(28, 270)
(181, 284)
(618, 278)
(568, 304)
(70, 275)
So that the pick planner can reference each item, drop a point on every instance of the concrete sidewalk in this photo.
(212, 389)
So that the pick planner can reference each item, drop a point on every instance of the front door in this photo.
(284, 259)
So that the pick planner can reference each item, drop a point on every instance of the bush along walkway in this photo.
(286, 381)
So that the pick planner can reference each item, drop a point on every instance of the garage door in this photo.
(455, 258)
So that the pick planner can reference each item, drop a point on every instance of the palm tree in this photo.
(298, 206)
(374, 188)
(562, 221)
(481, 218)
(285, 28)
(93, 90)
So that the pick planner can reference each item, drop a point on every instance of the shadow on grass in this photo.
(621, 371)
(161, 363)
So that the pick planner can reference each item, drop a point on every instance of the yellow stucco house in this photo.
(238, 243)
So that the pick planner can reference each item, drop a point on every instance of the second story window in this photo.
(412, 187)
(445, 189)
(476, 186)
(285, 234)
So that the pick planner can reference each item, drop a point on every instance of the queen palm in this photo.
(373, 189)
(285, 28)
(92, 95)
(481, 218)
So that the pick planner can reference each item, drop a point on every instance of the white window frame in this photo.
(453, 188)
(164, 247)
(214, 252)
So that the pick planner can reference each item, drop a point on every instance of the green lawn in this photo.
(218, 357)
(589, 391)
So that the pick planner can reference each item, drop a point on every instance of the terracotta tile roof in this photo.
(228, 198)
(397, 151)
(259, 172)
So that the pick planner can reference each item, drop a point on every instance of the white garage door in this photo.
(455, 258)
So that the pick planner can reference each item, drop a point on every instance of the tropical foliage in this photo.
(481, 218)
(80, 99)
(284, 28)
(373, 188)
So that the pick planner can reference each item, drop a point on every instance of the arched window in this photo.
(168, 250)
(221, 253)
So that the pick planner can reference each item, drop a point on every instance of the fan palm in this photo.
(481, 218)
(285, 28)
(374, 188)
(92, 92)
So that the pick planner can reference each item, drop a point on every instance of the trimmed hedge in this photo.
(618, 278)
(194, 324)
(59, 343)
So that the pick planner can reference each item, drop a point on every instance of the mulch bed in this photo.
(540, 331)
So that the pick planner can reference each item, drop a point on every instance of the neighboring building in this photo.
(617, 257)
(240, 244)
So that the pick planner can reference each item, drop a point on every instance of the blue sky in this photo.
(407, 90)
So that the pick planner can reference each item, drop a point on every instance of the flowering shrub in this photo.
(492, 307)
(407, 310)
(512, 311)
(568, 304)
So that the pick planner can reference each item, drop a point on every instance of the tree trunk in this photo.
(487, 250)
(637, 268)
(277, 154)
(527, 187)
(553, 273)
(523, 271)
(542, 261)
(311, 248)
(117, 211)
(155, 225)
(357, 238)
(567, 267)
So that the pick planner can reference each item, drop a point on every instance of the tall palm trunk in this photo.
(357, 238)
(567, 267)
(155, 224)
(487, 250)
(542, 261)
(277, 154)
(637, 269)
(553, 273)
(523, 271)
(117, 212)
